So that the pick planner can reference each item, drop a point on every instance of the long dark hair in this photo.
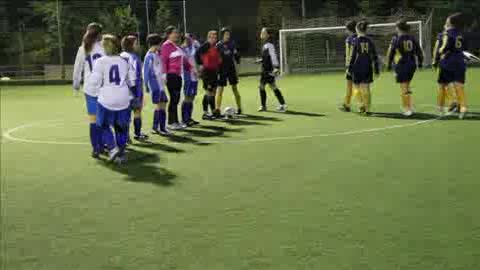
(94, 31)
(403, 25)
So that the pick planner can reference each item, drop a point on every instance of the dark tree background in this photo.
(29, 30)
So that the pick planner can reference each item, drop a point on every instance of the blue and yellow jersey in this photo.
(452, 48)
(364, 55)
(349, 48)
(404, 50)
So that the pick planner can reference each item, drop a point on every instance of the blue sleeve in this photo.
(146, 70)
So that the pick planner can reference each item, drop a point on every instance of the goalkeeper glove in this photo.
(276, 72)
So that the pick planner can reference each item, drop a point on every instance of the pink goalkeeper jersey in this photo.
(174, 59)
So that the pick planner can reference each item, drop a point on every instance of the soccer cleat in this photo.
(407, 113)
(113, 154)
(207, 116)
(218, 115)
(345, 108)
(119, 160)
(95, 155)
(454, 107)
(192, 123)
(262, 109)
(141, 138)
(282, 108)
(165, 133)
(462, 115)
(239, 111)
(362, 110)
(175, 126)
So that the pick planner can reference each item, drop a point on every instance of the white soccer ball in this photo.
(229, 112)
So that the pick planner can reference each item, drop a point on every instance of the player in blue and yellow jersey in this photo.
(363, 64)
(228, 71)
(350, 40)
(406, 55)
(452, 66)
(130, 48)
(152, 77)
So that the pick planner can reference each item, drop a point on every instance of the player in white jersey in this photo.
(114, 80)
(130, 48)
(90, 51)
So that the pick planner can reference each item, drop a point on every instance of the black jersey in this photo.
(229, 53)
(269, 58)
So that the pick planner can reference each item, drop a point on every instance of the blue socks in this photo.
(95, 137)
(108, 138)
(162, 119)
(137, 126)
(156, 119)
(121, 134)
(187, 109)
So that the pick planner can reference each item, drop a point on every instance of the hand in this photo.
(276, 72)
(76, 85)
(164, 78)
(136, 103)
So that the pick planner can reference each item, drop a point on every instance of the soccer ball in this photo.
(229, 112)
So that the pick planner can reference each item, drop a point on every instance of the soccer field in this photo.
(311, 189)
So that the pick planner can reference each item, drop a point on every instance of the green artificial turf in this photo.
(312, 189)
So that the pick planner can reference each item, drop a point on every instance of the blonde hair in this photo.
(111, 44)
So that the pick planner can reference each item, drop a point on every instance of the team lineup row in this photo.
(405, 55)
(114, 77)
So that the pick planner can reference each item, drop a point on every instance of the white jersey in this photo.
(84, 64)
(112, 77)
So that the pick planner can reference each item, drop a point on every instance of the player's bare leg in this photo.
(238, 98)
(219, 98)
(441, 97)
(406, 99)
(347, 103)
(263, 98)
(366, 98)
(462, 99)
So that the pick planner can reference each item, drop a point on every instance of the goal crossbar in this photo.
(282, 33)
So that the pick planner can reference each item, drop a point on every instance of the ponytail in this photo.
(92, 35)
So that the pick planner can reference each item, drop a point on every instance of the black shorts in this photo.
(267, 78)
(362, 77)
(229, 76)
(210, 79)
(446, 76)
(404, 73)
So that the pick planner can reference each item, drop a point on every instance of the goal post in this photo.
(309, 50)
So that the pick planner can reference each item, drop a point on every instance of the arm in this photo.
(447, 44)
(436, 53)
(390, 53)
(348, 52)
(353, 57)
(147, 65)
(273, 55)
(374, 56)
(95, 80)
(236, 54)
(419, 53)
(165, 55)
(78, 68)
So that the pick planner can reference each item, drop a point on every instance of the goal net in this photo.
(309, 50)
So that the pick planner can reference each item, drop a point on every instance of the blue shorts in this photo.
(159, 97)
(446, 76)
(405, 73)
(190, 88)
(106, 117)
(91, 104)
